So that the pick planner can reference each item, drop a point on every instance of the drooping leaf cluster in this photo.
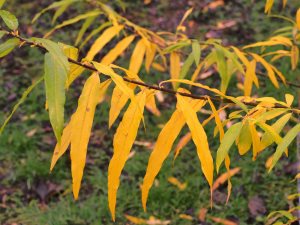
(252, 122)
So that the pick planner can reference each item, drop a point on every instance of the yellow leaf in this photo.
(118, 101)
(197, 71)
(241, 56)
(255, 140)
(223, 221)
(174, 66)
(150, 103)
(75, 71)
(224, 177)
(289, 99)
(162, 149)
(185, 217)
(263, 43)
(150, 54)
(199, 137)
(177, 183)
(107, 35)
(298, 19)
(118, 80)
(81, 129)
(294, 56)
(268, 6)
(113, 54)
(186, 14)
(135, 220)
(137, 57)
(250, 77)
(245, 139)
(123, 141)
(182, 142)
(217, 118)
(268, 67)
(62, 147)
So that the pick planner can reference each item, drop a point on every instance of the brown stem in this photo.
(154, 87)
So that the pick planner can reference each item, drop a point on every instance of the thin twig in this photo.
(154, 87)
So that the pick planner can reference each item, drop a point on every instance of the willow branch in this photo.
(139, 83)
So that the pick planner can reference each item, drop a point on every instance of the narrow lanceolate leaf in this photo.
(286, 141)
(255, 140)
(22, 99)
(137, 57)
(55, 78)
(61, 148)
(150, 54)
(186, 66)
(244, 140)
(118, 101)
(298, 19)
(113, 54)
(81, 129)
(73, 20)
(87, 23)
(268, 67)
(59, 12)
(227, 141)
(199, 137)
(9, 19)
(217, 118)
(174, 66)
(162, 149)
(107, 35)
(8, 46)
(294, 56)
(123, 141)
(196, 51)
(250, 77)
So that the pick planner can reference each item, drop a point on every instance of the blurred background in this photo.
(30, 195)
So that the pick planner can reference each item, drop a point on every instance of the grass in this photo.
(32, 196)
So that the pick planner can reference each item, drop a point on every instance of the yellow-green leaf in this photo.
(55, 78)
(123, 141)
(244, 140)
(9, 19)
(227, 141)
(266, 139)
(298, 19)
(81, 129)
(286, 141)
(8, 46)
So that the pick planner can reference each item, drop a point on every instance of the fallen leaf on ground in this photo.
(202, 214)
(177, 183)
(223, 221)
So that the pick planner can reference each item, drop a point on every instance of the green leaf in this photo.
(60, 11)
(9, 19)
(176, 46)
(286, 141)
(74, 20)
(55, 78)
(196, 51)
(227, 141)
(2, 33)
(84, 27)
(186, 66)
(22, 99)
(53, 6)
(8, 46)
(55, 50)
(2, 3)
